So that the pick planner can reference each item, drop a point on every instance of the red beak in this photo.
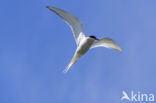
(96, 39)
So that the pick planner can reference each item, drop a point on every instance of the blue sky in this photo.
(36, 46)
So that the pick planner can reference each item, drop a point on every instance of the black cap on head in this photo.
(92, 36)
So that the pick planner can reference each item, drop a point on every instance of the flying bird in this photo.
(83, 43)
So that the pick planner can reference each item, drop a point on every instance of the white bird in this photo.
(83, 43)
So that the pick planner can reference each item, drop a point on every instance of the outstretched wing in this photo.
(74, 23)
(106, 42)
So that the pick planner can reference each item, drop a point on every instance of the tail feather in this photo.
(68, 67)
(74, 59)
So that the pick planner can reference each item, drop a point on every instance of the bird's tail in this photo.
(74, 59)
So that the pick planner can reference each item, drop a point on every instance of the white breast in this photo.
(84, 45)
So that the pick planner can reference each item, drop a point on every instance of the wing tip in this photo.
(120, 50)
(47, 6)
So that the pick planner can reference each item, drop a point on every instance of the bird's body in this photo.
(83, 43)
(83, 47)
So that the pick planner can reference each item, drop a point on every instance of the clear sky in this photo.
(36, 46)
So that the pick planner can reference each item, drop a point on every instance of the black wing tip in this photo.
(47, 6)
(50, 7)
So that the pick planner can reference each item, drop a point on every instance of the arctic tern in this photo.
(83, 43)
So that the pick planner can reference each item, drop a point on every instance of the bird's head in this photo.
(93, 37)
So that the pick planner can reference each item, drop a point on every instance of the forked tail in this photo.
(74, 59)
